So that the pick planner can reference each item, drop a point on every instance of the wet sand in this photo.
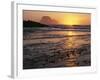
(49, 55)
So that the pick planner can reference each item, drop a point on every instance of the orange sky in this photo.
(62, 17)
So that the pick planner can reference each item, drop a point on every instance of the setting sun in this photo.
(75, 19)
(62, 18)
(71, 20)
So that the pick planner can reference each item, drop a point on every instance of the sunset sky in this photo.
(65, 18)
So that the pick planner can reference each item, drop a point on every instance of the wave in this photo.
(54, 36)
(56, 29)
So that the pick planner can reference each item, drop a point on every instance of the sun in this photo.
(71, 20)
(75, 19)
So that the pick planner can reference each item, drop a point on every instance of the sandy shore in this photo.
(54, 55)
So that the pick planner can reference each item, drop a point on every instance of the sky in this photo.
(66, 18)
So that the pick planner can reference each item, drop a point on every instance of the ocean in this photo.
(56, 47)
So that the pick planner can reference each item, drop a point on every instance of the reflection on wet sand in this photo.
(72, 60)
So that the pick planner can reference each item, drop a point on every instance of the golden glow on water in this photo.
(69, 42)
(70, 33)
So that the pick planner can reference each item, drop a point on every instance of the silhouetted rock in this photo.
(47, 20)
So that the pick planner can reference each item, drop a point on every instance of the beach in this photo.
(51, 48)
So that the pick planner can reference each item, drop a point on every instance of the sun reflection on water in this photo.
(71, 43)
(70, 40)
(70, 33)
